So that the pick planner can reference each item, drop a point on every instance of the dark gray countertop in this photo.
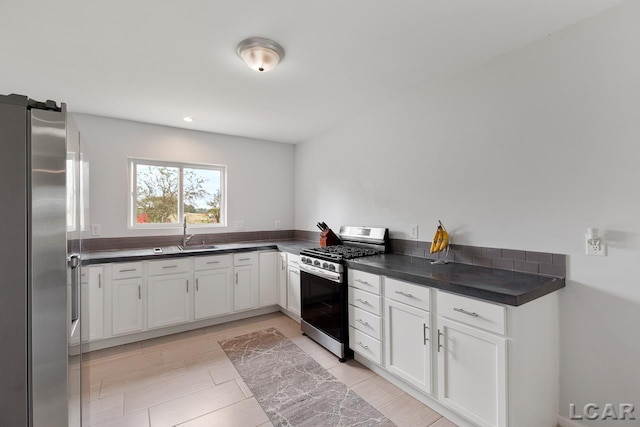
(491, 284)
(126, 255)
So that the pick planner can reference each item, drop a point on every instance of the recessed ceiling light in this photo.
(187, 119)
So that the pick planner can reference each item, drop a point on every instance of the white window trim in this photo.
(132, 194)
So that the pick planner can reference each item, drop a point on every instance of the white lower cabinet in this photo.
(92, 306)
(282, 279)
(472, 368)
(491, 364)
(408, 343)
(294, 293)
(269, 263)
(293, 290)
(126, 306)
(168, 299)
(246, 281)
(214, 293)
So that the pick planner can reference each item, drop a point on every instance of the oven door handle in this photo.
(334, 277)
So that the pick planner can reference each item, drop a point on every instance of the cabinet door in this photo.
(282, 280)
(92, 308)
(245, 284)
(214, 293)
(408, 344)
(293, 290)
(472, 373)
(268, 278)
(126, 307)
(168, 300)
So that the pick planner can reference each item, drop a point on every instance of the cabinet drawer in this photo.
(473, 312)
(366, 281)
(211, 262)
(169, 266)
(245, 258)
(365, 300)
(293, 260)
(365, 322)
(125, 270)
(408, 293)
(366, 346)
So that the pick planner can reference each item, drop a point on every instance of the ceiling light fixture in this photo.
(260, 54)
(187, 119)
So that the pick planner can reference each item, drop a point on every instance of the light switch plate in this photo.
(95, 230)
(278, 224)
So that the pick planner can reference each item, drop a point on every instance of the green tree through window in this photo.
(165, 194)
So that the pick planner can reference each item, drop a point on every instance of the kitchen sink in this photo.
(197, 248)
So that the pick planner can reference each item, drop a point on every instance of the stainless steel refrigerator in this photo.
(39, 291)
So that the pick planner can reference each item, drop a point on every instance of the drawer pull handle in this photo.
(213, 262)
(363, 301)
(99, 281)
(404, 294)
(187, 286)
(424, 334)
(244, 259)
(460, 310)
(439, 345)
(197, 287)
(364, 282)
(366, 347)
(363, 322)
(128, 270)
(139, 292)
(170, 266)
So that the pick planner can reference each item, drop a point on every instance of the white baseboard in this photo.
(155, 333)
(566, 422)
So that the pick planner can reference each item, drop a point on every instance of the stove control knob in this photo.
(325, 265)
(303, 259)
(332, 267)
(316, 263)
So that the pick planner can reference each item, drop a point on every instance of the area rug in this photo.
(292, 388)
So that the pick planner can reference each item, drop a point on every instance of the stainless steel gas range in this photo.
(323, 284)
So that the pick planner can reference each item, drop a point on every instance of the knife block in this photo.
(329, 238)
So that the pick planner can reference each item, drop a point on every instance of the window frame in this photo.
(133, 162)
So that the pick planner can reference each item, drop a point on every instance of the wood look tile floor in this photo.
(186, 379)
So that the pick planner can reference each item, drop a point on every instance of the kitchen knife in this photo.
(320, 227)
(324, 225)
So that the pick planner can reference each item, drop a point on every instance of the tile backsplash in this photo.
(548, 264)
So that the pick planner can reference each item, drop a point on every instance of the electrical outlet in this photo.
(278, 224)
(599, 249)
(95, 230)
(413, 231)
(239, 225)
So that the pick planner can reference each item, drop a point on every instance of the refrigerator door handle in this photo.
(74, 264)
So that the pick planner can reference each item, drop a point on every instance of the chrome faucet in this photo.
(185, 238)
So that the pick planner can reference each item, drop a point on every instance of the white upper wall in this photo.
(526, 152)
(259, 173)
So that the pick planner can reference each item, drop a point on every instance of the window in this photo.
(163, 194)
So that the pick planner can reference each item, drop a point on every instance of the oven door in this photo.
(324, 305)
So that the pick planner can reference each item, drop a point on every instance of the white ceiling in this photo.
(157, 60)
